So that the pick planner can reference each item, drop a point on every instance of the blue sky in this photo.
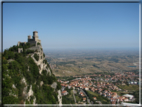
(72, 25)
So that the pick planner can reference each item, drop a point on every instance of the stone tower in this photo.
(35, 35)
(29, 36)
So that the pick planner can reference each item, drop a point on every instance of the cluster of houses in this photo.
(104, 88)
(114, 97)
(124, 77)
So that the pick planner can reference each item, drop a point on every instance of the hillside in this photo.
(27, 77)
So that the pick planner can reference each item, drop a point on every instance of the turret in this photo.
(35, 35)
(29, 36)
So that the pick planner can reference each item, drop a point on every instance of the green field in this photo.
(129, 87)
(78, 99)
(104, 100)
(93, 93)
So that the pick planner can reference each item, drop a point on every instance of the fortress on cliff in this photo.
(32, 41)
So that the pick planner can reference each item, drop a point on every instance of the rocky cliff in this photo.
(27, 77)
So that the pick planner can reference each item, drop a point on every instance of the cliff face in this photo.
(28, 78)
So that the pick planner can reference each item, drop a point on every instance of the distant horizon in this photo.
(90, 49)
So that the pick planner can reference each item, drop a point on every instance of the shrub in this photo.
(58, 85)
(4, 60)
(29, 51)
(45, 61)
(38, 43)
(36, 57)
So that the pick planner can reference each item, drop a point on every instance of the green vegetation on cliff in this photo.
(21, 75)
(36, 57)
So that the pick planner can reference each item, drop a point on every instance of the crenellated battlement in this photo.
(33, 41)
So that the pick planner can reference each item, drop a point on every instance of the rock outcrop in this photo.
(59, 97)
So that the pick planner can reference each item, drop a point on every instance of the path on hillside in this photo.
(88, 100)
(74, 96)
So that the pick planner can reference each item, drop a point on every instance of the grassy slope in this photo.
(99, 97)
(129, 87)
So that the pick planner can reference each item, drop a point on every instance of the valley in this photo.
(72, 63)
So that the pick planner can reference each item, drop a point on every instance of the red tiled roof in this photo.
(64, 91)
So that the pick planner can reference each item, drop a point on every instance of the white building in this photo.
(128, 96)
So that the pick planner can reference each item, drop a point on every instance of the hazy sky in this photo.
(72, 25)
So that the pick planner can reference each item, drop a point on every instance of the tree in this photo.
(58, 85)
(4, 60)
(10, 100)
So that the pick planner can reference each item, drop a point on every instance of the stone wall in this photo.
(31, 40)
(21, 43)
(33, 43)
(38, 48)
(20, 50)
